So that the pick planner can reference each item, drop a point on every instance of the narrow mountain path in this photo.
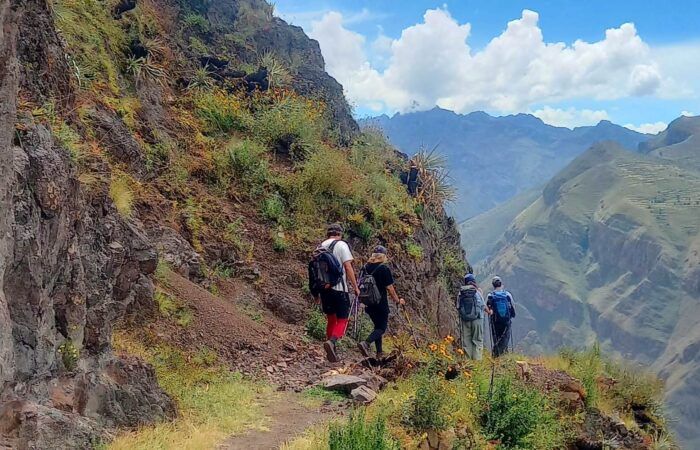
(288, 417)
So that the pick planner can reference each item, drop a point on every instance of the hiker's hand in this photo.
(317, 300)
(357, 291)
(401, 302)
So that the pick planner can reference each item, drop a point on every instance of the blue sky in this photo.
(511, 56)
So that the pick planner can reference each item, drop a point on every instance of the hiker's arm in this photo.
(394, 296)
(350, 271)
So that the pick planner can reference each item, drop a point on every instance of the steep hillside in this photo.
(493, 159)
(481, 233)
(201, 142)
(609, 252)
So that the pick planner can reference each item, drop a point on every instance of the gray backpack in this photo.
(369, 291)
(468, 309)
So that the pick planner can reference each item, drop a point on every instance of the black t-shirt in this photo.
(382, 275)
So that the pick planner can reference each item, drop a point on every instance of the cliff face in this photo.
(69, 267)
(272, 35)
(608, 253)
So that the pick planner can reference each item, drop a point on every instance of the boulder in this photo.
(343, 383)
(433, 439)
(363, 394)
(524, 370)
(178, 253)
(375, 382)
(447, 439)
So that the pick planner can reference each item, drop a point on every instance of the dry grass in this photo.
(213, 402)
(122, 195)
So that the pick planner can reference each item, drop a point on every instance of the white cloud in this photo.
(687, 113)
(649, 128)
(570, 117)
(305, 19)
(431, 64)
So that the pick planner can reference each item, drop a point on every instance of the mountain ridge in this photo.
(525, 150)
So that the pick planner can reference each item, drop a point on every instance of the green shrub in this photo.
(273, 208)
(363, 230)
(361, 434)
(429, 407)
(69, 354)
(454, 265)
(316, 325)
(414, 250)
(244, 163)
(519, 416)
(279, 242)
(196, 22)
(289, 121)
(221, 113)
(172, 308)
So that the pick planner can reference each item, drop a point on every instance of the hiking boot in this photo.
(363, 348)
(329, 347)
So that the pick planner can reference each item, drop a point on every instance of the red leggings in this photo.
(335, 328)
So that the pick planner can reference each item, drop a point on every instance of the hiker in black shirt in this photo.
(379, 313)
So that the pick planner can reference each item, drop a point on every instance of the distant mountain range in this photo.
(610, 252)
(493, 159)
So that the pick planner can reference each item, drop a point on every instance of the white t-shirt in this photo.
(343, 253)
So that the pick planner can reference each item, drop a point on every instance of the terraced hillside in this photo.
(610, 252)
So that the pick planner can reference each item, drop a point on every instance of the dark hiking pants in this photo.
(501, 338)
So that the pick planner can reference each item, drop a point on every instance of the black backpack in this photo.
(468, 309)
(369, 291)
(325, 269)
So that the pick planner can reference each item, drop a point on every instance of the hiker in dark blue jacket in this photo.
(500, 306)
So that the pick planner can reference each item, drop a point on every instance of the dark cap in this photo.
(335, 228)
(380, 249)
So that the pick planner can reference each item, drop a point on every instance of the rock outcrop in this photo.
(70, 266)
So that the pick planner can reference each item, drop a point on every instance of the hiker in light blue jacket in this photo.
(471, 307)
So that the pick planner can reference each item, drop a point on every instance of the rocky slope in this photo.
(69, 267)
(139, 132)
(609, 252)
(493, 159)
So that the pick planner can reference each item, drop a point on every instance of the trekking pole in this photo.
(410, 325)
(353, 307)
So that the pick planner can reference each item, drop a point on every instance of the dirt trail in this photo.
(288, 419)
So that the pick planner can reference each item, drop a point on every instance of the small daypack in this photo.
(369, 291)
(468, 308)
(325, 269)
(501, 306)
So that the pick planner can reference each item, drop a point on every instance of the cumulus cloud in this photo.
(570, 117)
(431, 64)
(649, 128)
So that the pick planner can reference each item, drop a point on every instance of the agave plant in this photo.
(201, 80)
(435, 186)
(277, 72)
(145, 68)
